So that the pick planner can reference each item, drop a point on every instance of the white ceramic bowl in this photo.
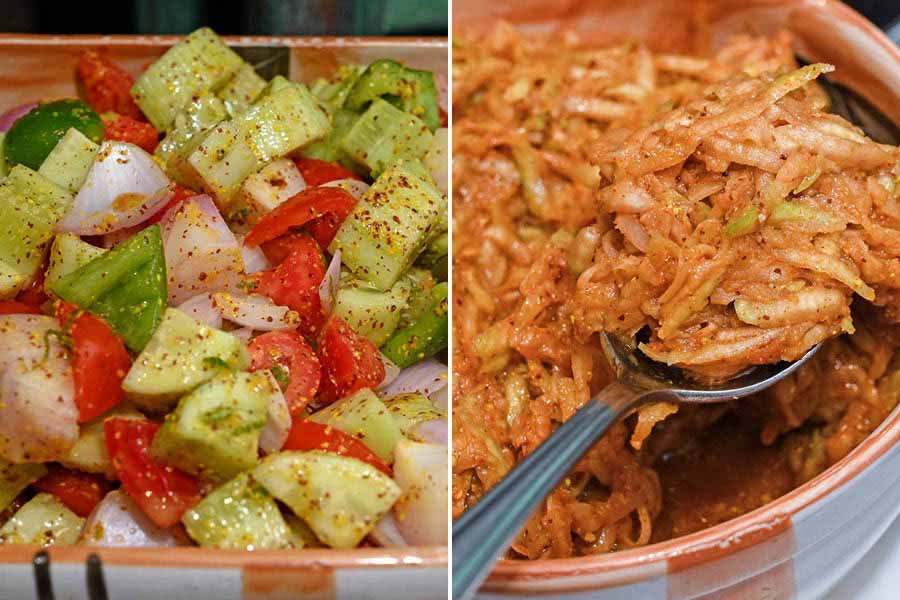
(800, 545)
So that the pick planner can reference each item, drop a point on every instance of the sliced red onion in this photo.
(354, 187)
(387, 534)
(255, 311)
(329, 285)
(391, 371)
(202, 308)
(435, 431)
(124, 187)
(117, 237)
(202, 254)
(278, 421)
(38, 416)
(421, 472)
(441, 398)
(14, 114)
(254, 259)
(117, 522)
(424, 377)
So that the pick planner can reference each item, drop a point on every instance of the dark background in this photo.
(275, 17)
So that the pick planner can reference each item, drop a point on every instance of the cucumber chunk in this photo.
(424, 338)
(335, 90)
(340, 498)
(126, 286)
(89, 453)
(190, 126)
(67, 254)
(390, 225)
(241, 90)
(384, 134)
(263, 191)
(198, 63)
(409, 89)
(43, 521)
(15, 478)
(371, 312)
(239, 515)
(30, 207)
(68, 163)
(275, 125)
(366, 418)
(329, 147)
(181, 355)
(409, 410)
(214, 432)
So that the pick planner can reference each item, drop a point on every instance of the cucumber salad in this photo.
(223, 308)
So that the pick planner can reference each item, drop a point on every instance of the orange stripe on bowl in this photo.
(273, 583)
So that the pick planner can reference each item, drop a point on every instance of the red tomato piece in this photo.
(281, 247)
(162, 492)
(308, 435)
(33, 293)
(350, 362)
(179, 195)
(444, 118)
(295, 283)
(288, 351)
(14, 307)
(121, 128)
(107, 86)
(302, 208)
(316, 172)
(80, 492)
(99, 361)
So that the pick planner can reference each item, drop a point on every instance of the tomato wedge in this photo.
(162, 492)
(316, 172)
(122, 128)
(99, 361)
(33, 293)
(294, 360)
(295, 283)
(350, 362)
(107, 86)
(14, 307)
(308, 435)
(309, 205)
(80, 492)
(278, 249)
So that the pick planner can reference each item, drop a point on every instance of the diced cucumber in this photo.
(301, 535)
(201, 114)
(68, 253)
(409, 410)
(198, 63)
(89, 453)
(421, 283)
(68, 163)
(214, 432)
(15, 478)
(424, 338)
(181, 355)
(126, 286)
(239, 515)
(384, 134)
(273, 126)
(435, 256)
(366, 418)
(411, 90)
(329, 147)
(30, 207)
(340, 498)
(371, 312)
(263, 191)
(436, 159)
(241, 90)
(43, 521)
(389, 226)
(275, 85)
(335, 90)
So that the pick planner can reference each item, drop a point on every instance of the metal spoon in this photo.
(484, 531)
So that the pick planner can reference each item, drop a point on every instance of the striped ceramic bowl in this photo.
(800, 545)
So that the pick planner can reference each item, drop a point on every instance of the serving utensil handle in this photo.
(486, 530)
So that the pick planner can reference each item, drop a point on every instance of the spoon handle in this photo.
(486, 530)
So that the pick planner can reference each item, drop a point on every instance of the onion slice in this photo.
(278, 421)
(118, 522)
(387, 533)
(14, 114)
(329, 285)
(124, 187)
(435, 431)
(425, 377)
(391, 371)
(254, 259)
(421, 472)
(354, 187)
(255, 311)
(202, 308)
(202, 254)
